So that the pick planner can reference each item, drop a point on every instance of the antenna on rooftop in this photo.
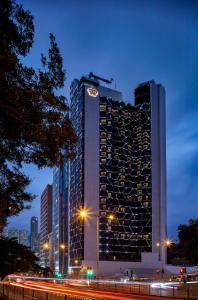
(92, 75)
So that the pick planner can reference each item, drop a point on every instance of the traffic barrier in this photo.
(19, 293)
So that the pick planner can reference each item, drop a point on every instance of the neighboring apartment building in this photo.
(60, 219)
(34, 236)
(24, 237)
(46, 245)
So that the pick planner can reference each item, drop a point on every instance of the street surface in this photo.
(84, 291)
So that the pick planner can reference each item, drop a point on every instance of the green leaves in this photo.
(16, 258)
(34, 121)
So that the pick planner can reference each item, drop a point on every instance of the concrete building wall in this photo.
(91, 173)
(158, 150)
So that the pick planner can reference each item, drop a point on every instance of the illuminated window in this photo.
(103, 173)
(102, 107)
(103, 121)
(103, 141)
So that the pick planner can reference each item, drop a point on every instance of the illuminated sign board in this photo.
(92, 92)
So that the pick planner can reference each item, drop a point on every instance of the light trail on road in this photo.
(84, 292)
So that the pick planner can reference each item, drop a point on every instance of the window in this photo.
(103, 121)
(122, 209)
(103, 200)
(103, 107)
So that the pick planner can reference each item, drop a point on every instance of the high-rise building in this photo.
(13, 233)
(24, 237)
(119, 171)
(34, 237)
(46, 226)
(5, 232)
(60, 218)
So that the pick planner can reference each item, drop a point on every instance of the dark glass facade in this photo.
(125, 174)
(60, 218)
(125, 180)
(76, 237)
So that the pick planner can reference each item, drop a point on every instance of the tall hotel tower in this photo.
(119, 170)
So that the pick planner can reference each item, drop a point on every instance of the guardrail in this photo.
(182, 291)
(19, 293)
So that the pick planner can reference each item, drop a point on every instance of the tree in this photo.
(188, 241)
(34, 123)
(185, 252)
(16, 258)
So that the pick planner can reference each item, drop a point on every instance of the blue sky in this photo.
(131, 41)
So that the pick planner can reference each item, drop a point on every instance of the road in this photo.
(83, 291)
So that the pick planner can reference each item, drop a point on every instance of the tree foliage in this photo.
(186, 250)
(16, 258)
(34, 123)
(188, 240)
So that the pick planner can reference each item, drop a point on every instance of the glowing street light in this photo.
(83, 213)
(168, 243)
(76, 261)
(158, 244)
(111, 217)
(46, 246)
(62, 246)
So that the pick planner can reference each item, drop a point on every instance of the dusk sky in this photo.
(132, 42)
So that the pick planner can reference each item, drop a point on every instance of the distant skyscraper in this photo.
(34, 242)
(46, 226)
(24, 237)
(119, 170)
(5, 232)
(60, 218)
(13, 233)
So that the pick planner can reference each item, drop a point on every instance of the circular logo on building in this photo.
(92, 92)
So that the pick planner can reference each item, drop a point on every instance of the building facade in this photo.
(119, 170)
(46, 227)
(24, 237)
(13, 233)
(34, 236)
(60, 219)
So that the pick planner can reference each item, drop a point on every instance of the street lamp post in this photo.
(83, 213)
(46, 251)
(167, 243)
(62, 248)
